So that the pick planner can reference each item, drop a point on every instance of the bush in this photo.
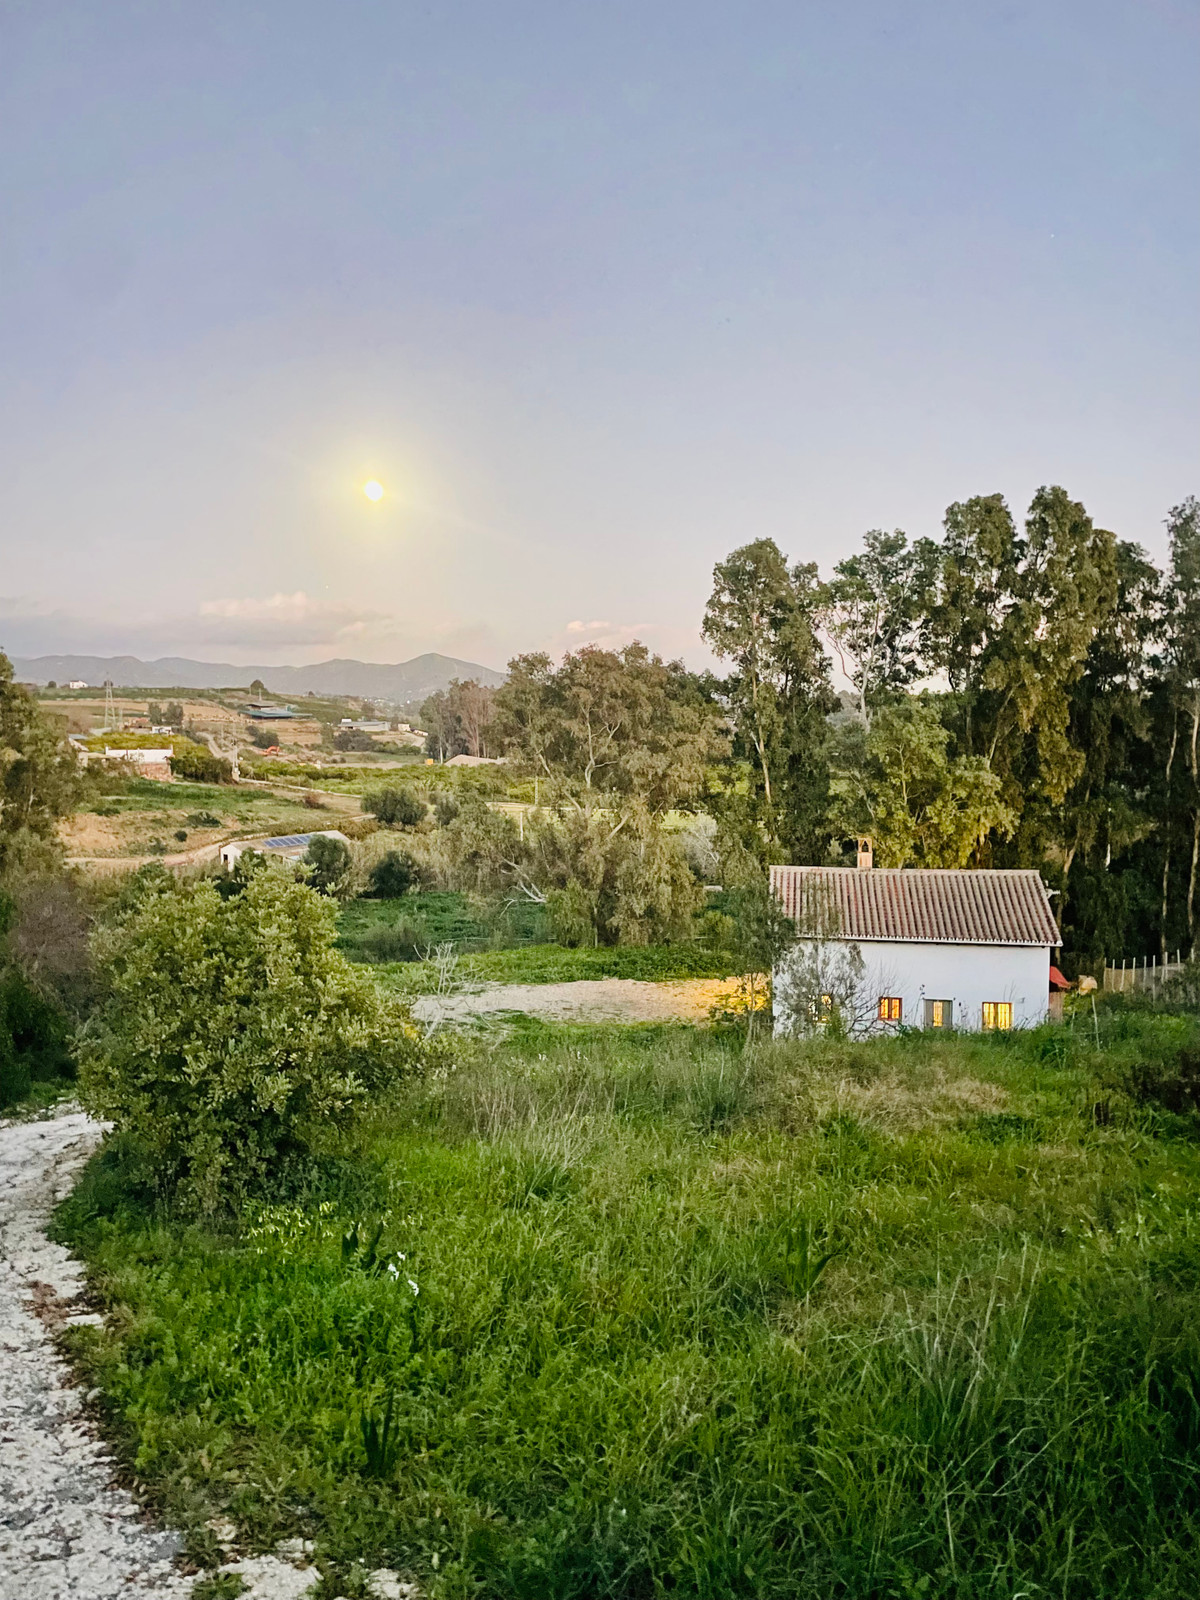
(200, 766)
(395, 808)
(329, 860)
(1173, 1083)
(353, 739)
(404, 940)
(33, 1037)
(234, 1038)
(394, 875)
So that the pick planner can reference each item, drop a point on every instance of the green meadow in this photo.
(628, 1312)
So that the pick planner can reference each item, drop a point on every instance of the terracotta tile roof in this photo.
(916, 905)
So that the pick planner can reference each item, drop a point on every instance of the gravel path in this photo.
(585, 1000)
(67, 1531)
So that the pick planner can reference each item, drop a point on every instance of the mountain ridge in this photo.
(401, 681)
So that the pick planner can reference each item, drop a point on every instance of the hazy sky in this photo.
(598, 291)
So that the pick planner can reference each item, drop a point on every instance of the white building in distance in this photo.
(285, 846)
(917, 947)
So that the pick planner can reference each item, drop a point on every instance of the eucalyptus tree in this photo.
(1182, 652)
(1011, 627)
(874, 614)
(762, 618)
(898, 783)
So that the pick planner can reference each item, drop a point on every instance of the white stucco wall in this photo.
(967, 974)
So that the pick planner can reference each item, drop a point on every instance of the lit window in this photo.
(822, 1010)
(891, 1008)
(939, 1013)
(997, 1014)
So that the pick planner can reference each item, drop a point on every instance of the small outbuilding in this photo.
(918, 947)
(288, 846)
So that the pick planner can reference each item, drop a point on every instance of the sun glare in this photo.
(373, 490)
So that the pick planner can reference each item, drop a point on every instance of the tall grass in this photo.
(901, 1319)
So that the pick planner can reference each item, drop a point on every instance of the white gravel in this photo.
(67, 1531)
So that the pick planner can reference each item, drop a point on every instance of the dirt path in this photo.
(587, 1000)
(67, 1531)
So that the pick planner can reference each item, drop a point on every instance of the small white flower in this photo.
(413, 1287)
(393, 1270)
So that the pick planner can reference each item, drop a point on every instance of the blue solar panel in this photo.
(288, 841)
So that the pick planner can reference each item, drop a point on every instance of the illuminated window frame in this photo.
(997, 1016)
(939, 1013)
(891, 1008)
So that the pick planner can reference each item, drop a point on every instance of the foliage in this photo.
(395, 808)
(758, 938)
(370, 928)
(34, 1036)
(353, 739)
(168, 716)
(897, 783)
(629, 1369)
(874, 614)
(199, 765)
(328, 861)
(234, 1038)
(460, 720)
(394, 875)
(617, 739)
(39, 778)
(762, 618)
(607, 727)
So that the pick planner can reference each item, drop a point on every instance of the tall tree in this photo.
(762, 617)
(458, 720)
(897, 783)
(608, 726)
(875, 611)
(1183, 675)
(1012, 628)
(619, 739)
(39, 776)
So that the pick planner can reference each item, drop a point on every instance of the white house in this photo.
(930, 949)
(288, 846)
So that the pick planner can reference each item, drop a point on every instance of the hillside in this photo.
(402, 681)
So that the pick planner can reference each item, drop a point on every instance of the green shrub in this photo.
(394, 875)
(200, 766)
(395, 808)
(33, 1037)
(235, 1038)
(329, 863)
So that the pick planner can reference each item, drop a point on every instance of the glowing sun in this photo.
(373, 490)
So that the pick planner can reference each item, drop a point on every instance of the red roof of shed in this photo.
(919, 905)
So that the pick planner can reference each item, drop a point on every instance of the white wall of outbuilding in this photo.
(966, 974)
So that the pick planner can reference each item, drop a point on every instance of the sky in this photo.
(596, 292)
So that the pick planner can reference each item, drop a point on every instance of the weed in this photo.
(801, 1260)
(219, 1586)
(380, 1438)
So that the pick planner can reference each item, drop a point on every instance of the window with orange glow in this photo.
(997, 1014)
(891, 1008)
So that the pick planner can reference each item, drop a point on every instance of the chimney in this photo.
(864, 855)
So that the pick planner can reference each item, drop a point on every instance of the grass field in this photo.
(137, 816)
(633, 1366)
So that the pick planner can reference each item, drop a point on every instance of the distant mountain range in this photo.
(403, 682)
